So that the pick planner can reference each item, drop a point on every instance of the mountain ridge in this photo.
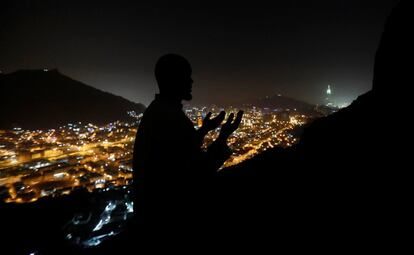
(30, 97)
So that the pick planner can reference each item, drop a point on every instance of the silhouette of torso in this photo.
(166, 141)
(172, 175)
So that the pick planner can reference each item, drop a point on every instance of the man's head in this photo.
(173, 75)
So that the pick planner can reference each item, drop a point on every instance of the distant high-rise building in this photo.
(199, 120)
(328, 96)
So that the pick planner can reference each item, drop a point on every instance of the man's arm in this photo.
(208, 125)
(218, 152)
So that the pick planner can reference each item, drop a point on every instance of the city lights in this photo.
(40, 163)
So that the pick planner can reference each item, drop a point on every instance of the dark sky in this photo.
(238, 51)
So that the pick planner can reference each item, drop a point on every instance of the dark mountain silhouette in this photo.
(345, 184)
(35, 99)
(283, 102)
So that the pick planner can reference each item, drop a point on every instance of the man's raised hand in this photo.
(211, 124)
(230, 126)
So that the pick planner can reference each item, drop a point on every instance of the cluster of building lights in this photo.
(38, 163)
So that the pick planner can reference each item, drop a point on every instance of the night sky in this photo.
(238, 51)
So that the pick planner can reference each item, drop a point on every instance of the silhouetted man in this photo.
(173, 176)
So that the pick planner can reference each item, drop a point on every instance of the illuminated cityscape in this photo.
(41, 163)
(304, 86)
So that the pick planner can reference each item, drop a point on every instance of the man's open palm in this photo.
(211, 124)
(230, 126)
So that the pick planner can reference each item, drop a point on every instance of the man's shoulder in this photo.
(164, 115)
(158, 110)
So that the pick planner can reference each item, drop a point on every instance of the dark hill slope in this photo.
(34, 99)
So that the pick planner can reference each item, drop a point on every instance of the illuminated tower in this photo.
(199, 120)
(328, 96)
